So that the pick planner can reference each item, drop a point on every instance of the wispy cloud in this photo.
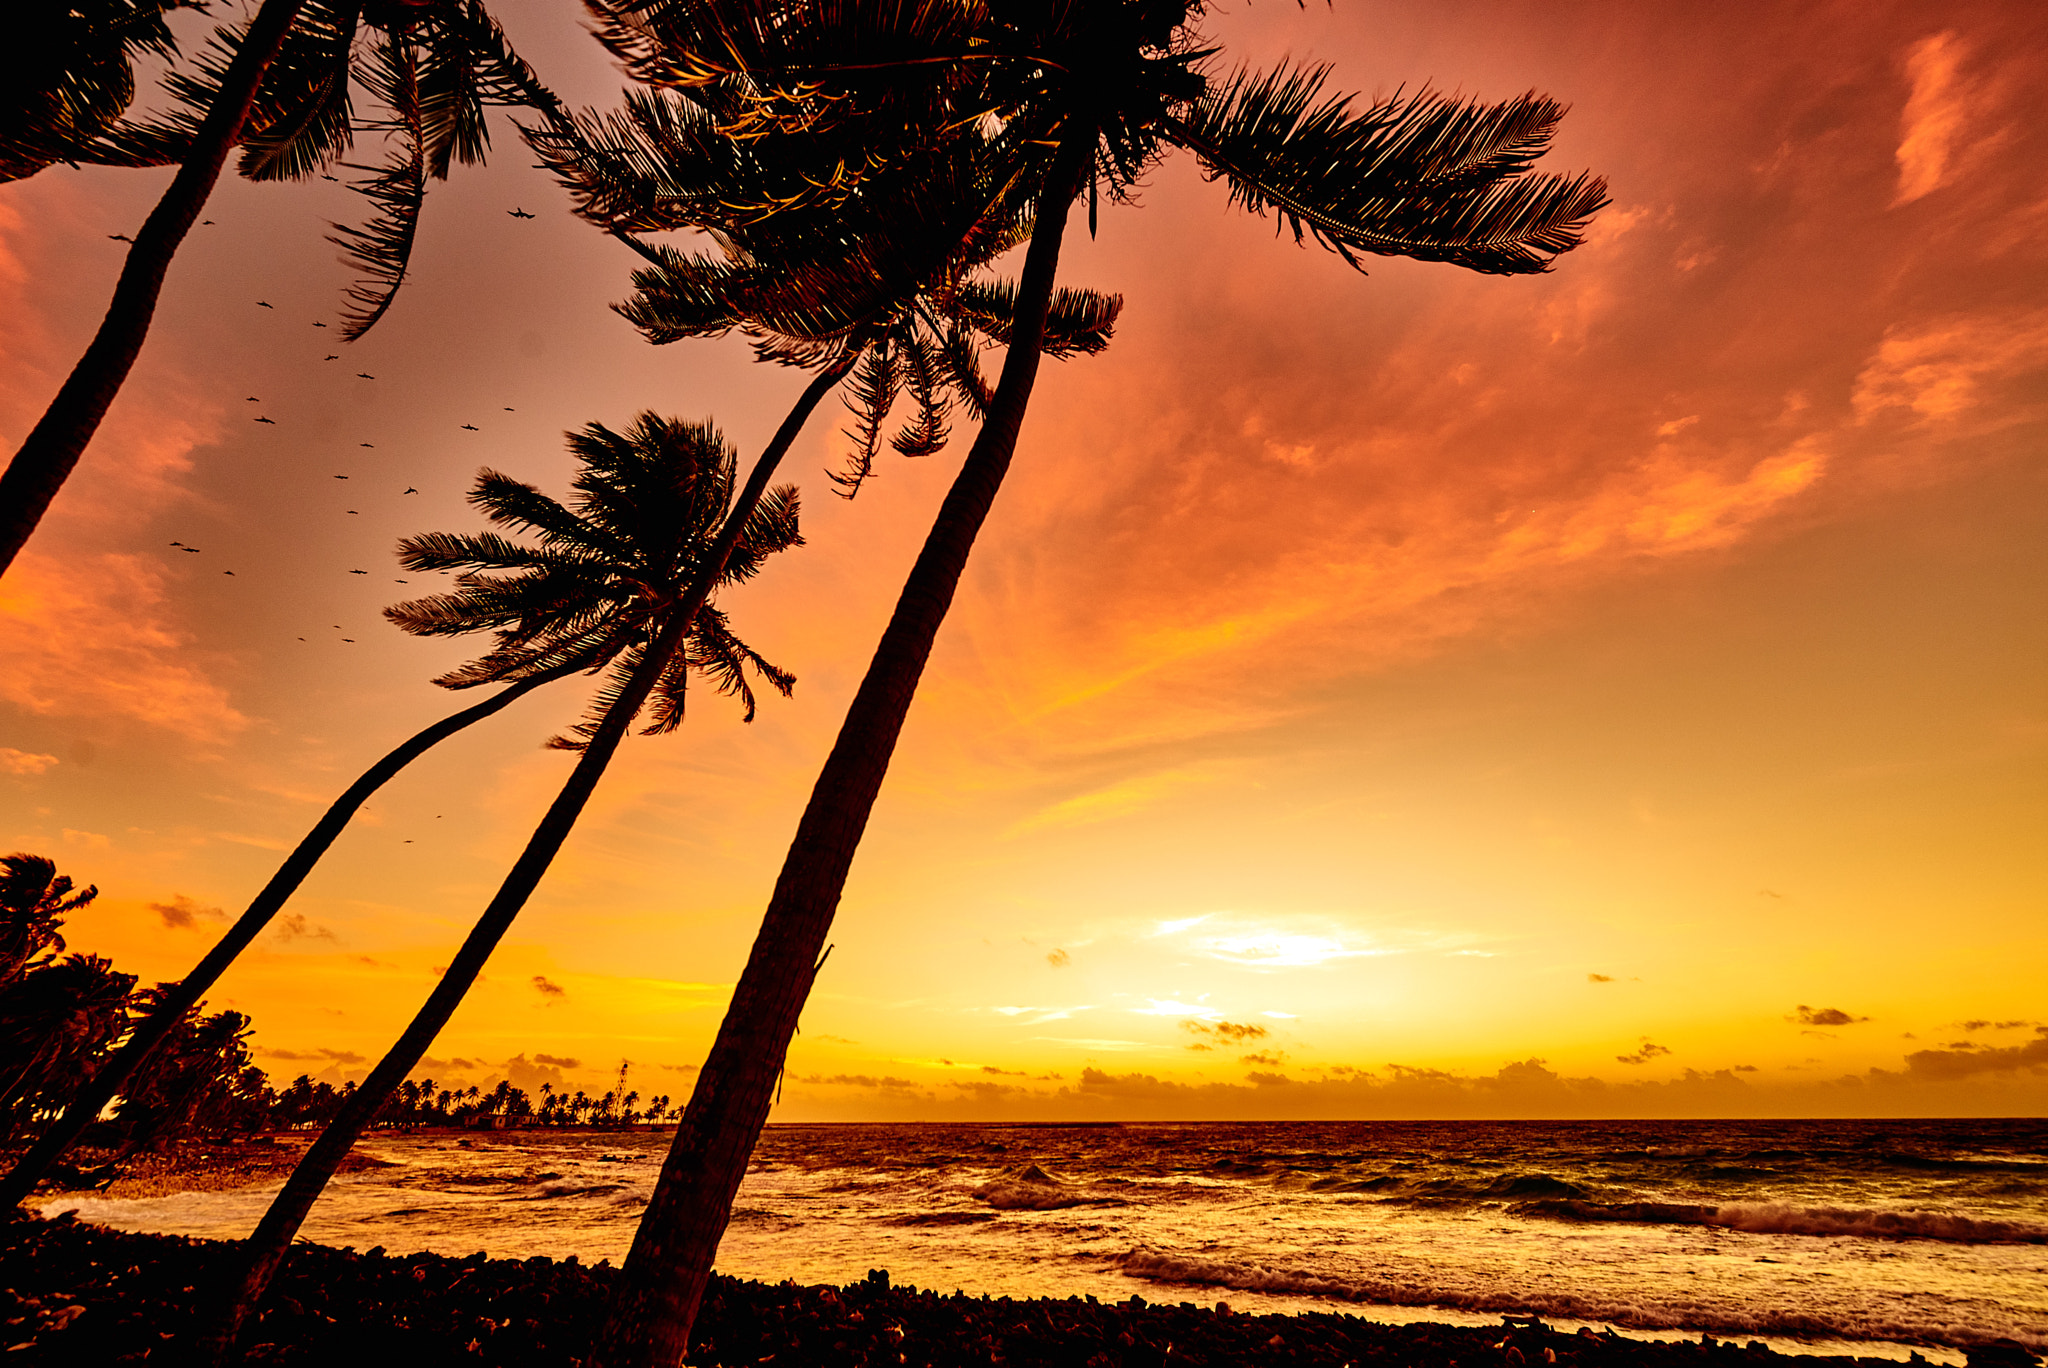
(93, 636)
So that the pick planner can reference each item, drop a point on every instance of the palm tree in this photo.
(609, 579)
(173, 1001)
(54, 1023)
(69, 73)
(33, 900)
(278, 87)
(1096, 93)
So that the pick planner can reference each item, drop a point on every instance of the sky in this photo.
(1620, 692)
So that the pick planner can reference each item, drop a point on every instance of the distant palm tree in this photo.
(33, 900)
(613, 568)
(279, 87)
(1089, 97)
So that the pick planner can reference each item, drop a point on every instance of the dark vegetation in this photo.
(63, 1016)
(75, 1294)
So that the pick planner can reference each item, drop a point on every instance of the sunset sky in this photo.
(1621, 692)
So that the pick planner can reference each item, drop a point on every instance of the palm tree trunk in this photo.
(272, 1238)
(21, 1180)
(655, 1301)
(46, 459)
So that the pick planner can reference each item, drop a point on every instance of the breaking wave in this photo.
(1033, 1189)
(1774, 1218)
(1647, 1313)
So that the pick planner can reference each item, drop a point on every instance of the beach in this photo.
(72, 1293)
(1879, 1240)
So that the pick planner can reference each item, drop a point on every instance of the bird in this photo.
(254, 400)
(271, 421)
(471, 427)
(411, 490)
(227, 572)
(359, 572)
(119, 237)
(265, 304)
(518, 213)
(364, 375)
(511, 410)
(371, 445)
(325, 176)
(400, 581)
(193, 550)
(206, 223)
(302, 638)
(330, 358)
(319, 325)
(352, 510)
(350, 640)
(341, 477)
(177, 543)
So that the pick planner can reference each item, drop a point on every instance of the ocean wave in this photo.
(1033, 1189)
(1644, 1314)
(1773, 1218)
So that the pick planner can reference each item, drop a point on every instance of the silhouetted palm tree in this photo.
(68, 72)
(1092, 95)
(33, 900)
(54, 1022)
(280, 88)
(608, 579)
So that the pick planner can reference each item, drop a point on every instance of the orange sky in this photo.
(1614, 693)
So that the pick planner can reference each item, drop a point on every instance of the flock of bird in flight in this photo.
(360, 375)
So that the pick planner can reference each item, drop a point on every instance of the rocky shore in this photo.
(77, 1294)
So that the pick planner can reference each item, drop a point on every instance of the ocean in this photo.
(1867, 1237)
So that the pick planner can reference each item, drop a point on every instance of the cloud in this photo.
(557, 1061)
(1038, 1016)
(1173, 1007)
(23, 762)
(319, 1056)
(858, 1081)
(1823, 1016)
(527, 1074)
(1645, 1055)
(1229, 1032)
(1599, 978)
(182, 914)
(293, 926)
(553, 992)
(1948, 1065)
(1940, 370)
(91, 636)
(1059, 959)
(90, 840)
(1271, 1060)
(1007, 1073)
(1941, 107)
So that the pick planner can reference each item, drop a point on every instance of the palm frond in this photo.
(382, 250)
(771, 527)
(871, 393)
(1425, 176)
(926, 432)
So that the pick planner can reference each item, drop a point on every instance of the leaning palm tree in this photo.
(280, 87)
(69, 72)
(818, 295)
(54, 1024)
(1096, 94)
(34, 898)
(606, 582)
(171, 1003)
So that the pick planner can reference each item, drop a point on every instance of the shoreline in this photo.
(71, 1292)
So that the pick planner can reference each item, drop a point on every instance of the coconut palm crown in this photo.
(605, 570)
(877, 282)
(431, 69)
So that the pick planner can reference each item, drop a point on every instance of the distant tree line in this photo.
(62, 1016)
